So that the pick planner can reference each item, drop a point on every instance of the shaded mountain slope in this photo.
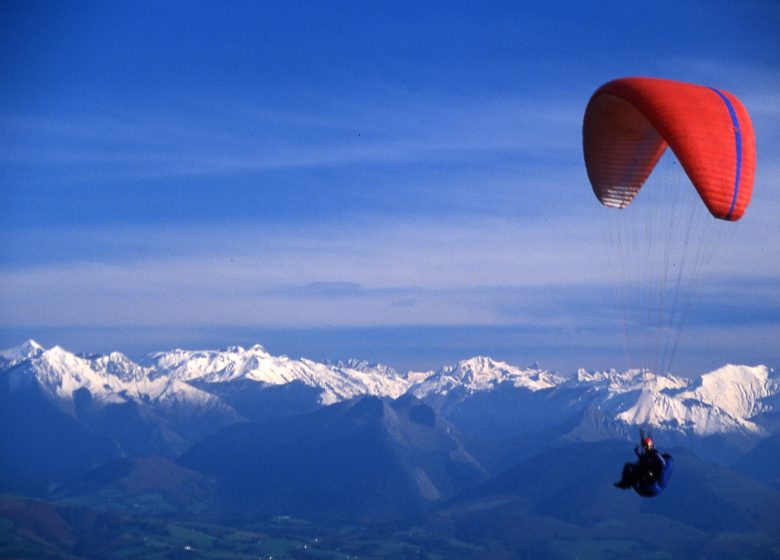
(763, 462)
(566, 493)
(150, 485)
(364, 457)
(39, 442)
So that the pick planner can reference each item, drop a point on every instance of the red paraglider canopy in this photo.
(629, 122)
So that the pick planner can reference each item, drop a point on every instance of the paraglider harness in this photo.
(651, 481)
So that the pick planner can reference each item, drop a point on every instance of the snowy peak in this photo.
(727, 400)
(483, 374)
(18, 354)
(363, 366)
(631, 380)
(231, 363)
(672, 413)
(120, 366)
(732, 399)
(60, 373)
(169, 376)
(338, 382)
(738, 390)
(110, 379)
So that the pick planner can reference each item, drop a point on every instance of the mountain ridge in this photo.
(733, 399)
(483, 448)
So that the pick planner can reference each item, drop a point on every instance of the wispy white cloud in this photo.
(479, 271)
(259, 138)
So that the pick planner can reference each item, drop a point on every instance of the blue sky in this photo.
(401, 183)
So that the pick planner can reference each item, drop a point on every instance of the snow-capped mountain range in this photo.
(731, 399)
(337, 382)
(734, 399)
(484, 374)
(110, 379)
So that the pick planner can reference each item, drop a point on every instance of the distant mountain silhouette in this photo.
(39, 442)
(151, 485)
(763, 462)
(364, 457)
(259, 402)
(567, 492)
(264, 437)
